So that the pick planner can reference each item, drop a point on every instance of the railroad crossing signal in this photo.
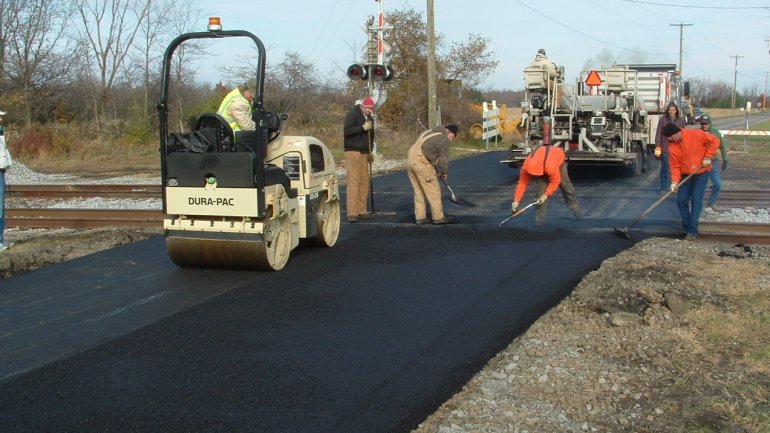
(357, 72)
(375, 72)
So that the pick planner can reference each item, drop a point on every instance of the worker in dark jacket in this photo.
(358, 132)
(426, 163)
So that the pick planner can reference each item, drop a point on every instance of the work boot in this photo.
(446, 220)
(364, 216)
(352, 218)
(4, 246)
(422, 221)
(577, 212)
(690, 237)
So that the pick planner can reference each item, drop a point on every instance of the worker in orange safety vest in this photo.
(548, 168)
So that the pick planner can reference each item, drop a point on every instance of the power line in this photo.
(696, 6)
(578, 31)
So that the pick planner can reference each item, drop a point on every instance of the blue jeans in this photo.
(665, 175)
(689, 200)
(2, 206)
(716, 182)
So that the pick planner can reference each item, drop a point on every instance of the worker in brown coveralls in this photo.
(426, 163)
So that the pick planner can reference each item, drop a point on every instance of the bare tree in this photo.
(470, 61)
(7, 9)
(463, 65)
(109, 29)
(183, 20)
(36, 55)
(165, 21)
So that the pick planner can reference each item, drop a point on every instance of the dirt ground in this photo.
(668, 336)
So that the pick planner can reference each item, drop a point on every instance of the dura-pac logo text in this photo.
(209, 201)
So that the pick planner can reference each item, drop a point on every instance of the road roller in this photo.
(243, 199)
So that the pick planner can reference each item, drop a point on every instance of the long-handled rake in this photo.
(517, 213)
(624, 231)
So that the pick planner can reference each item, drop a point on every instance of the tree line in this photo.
(73, 72)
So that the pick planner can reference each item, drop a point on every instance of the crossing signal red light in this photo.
(381, 72)
(357, 72)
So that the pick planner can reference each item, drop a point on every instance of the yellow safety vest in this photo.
(224, 107)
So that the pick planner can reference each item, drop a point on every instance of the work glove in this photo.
(443, 176)
(724, 165)
(706, 162)
(542, 199)
(367, 125)
(514, 207)
(673, 186)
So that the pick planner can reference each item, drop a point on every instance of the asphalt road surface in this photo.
(371, 335)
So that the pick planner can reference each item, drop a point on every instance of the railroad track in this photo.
(91, 218)
(83, 191)
(82, 218)
(735, 232)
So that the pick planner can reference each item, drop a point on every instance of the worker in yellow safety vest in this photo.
(236, 109)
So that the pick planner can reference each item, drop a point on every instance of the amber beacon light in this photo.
(215, 24)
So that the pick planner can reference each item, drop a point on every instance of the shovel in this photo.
(624, 231)
(517, 213)
(455, 199)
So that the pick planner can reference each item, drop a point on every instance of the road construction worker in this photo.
(236, 109)
(547, 166)
(714, 173)
(428, 161)
(358, 132)
(690, 151)
(542, 61)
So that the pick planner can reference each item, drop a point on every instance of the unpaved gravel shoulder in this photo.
(658, 339)
(33, 249)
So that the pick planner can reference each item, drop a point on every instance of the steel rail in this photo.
(84, 190)
(82, 218)
(751, 233)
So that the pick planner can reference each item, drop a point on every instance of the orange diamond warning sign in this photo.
(593, 79)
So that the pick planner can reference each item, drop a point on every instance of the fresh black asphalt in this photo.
(371, 335)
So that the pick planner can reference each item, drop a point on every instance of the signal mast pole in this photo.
(681, 38)
(432, 121)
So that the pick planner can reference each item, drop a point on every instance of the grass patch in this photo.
(735, 333)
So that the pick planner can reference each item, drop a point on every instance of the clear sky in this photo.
(579, 34)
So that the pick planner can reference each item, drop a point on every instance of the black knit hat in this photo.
(670, 130)
(452, 128)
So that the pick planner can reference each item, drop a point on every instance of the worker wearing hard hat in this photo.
(236, 109)
(547, 167)
(714, 173)
(690, 151)
(428, 161)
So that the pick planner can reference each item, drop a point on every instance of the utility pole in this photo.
(764, 95)
(681, 38)
(432, 121)
(735, 81)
